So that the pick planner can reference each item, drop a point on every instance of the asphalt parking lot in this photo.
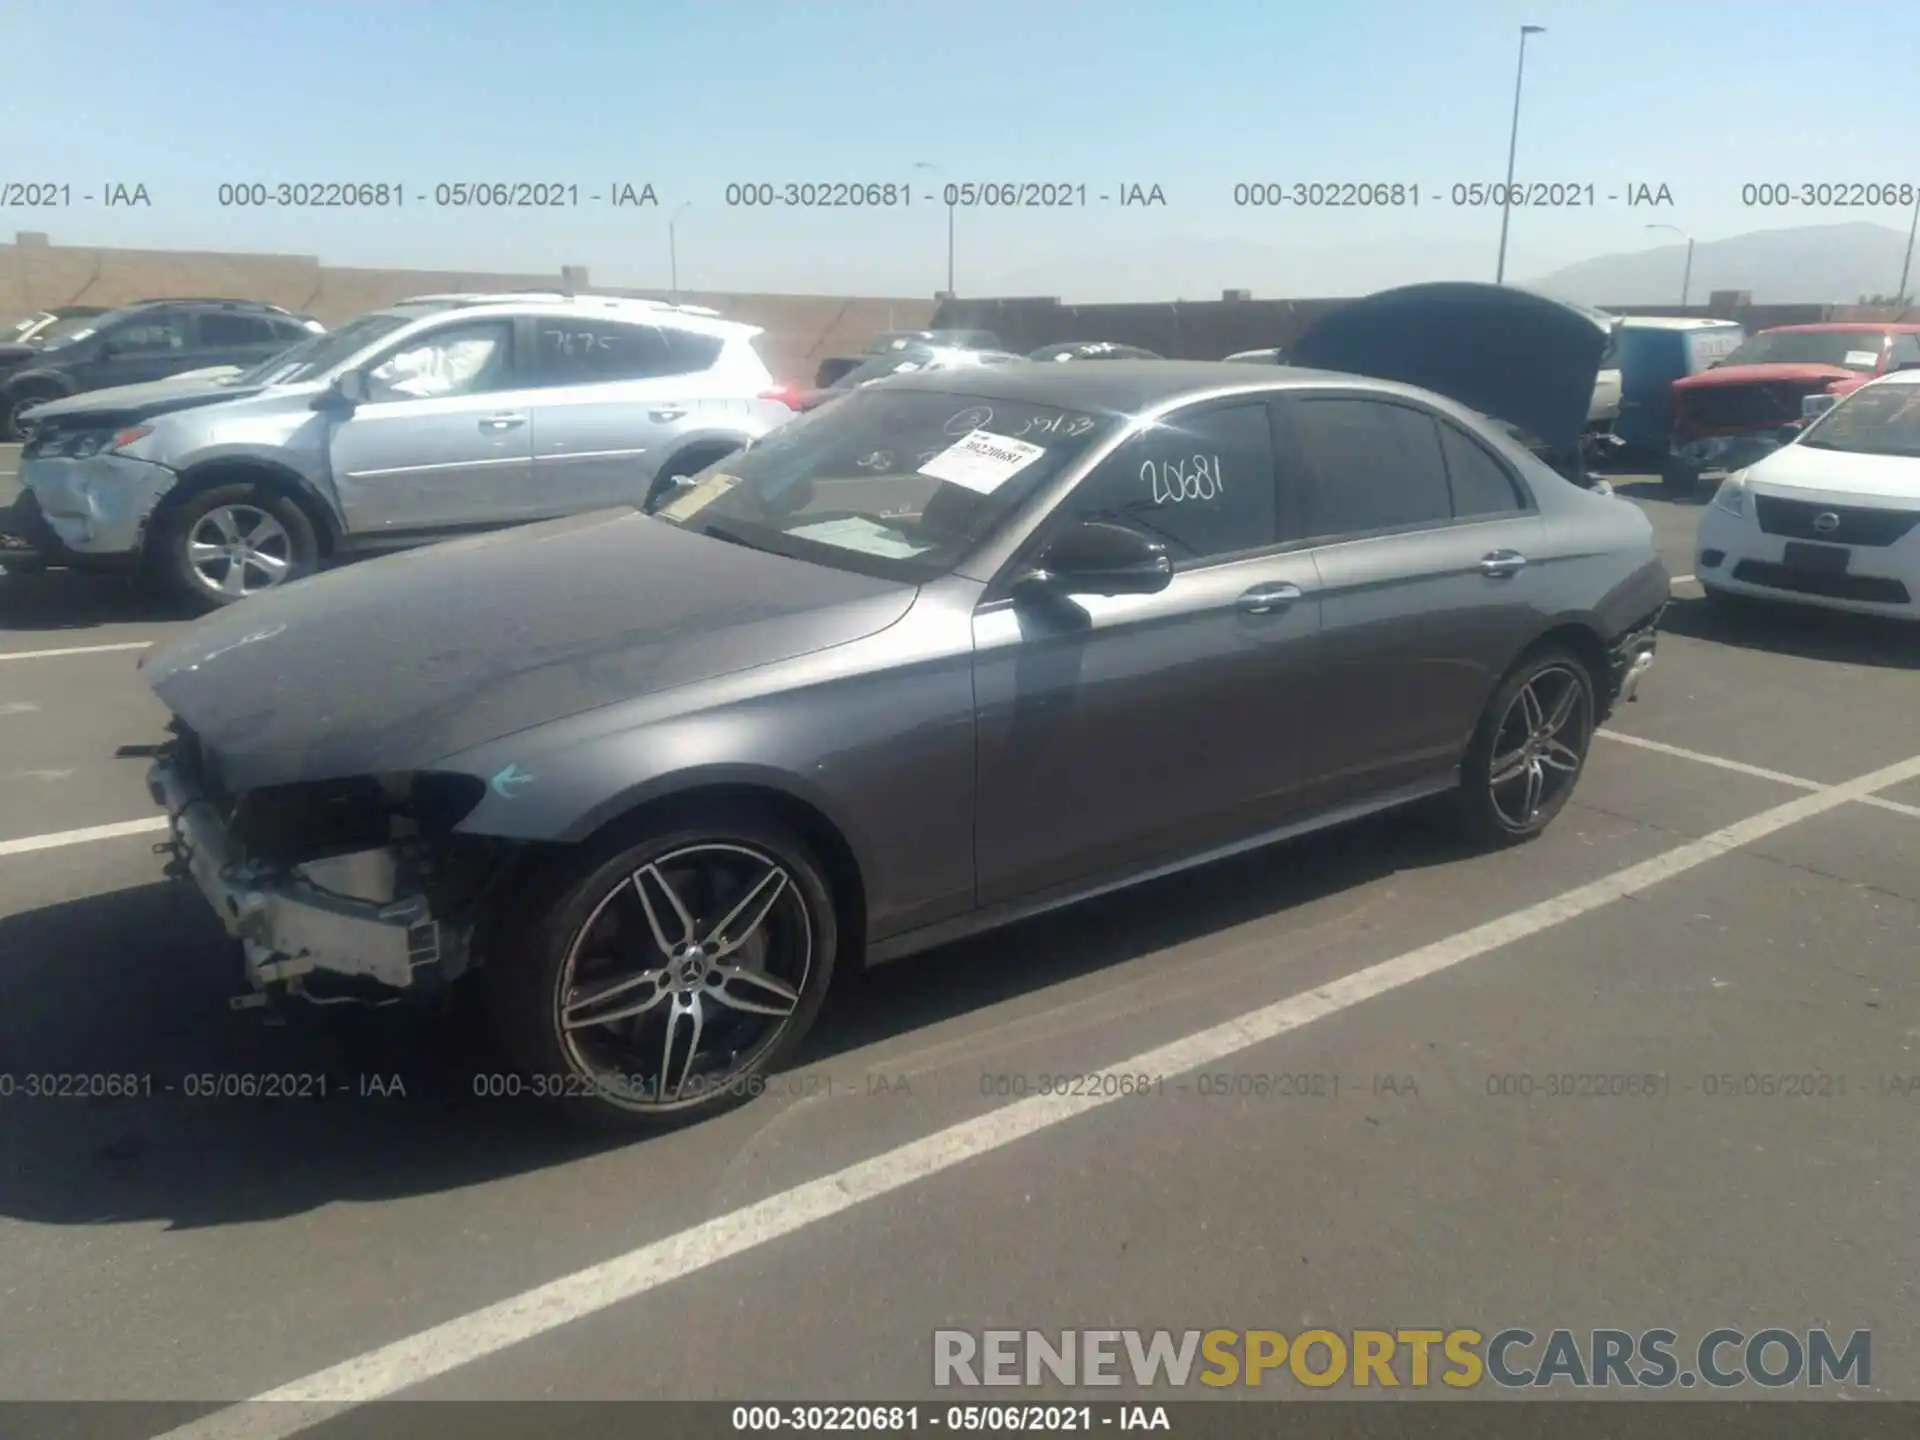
(1731, 902)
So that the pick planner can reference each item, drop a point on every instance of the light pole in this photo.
(1906, 266)
(1513, 148)
(673, 249)
(1686, 275)
(928, 165)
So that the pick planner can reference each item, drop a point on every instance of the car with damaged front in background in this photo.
(918, 664)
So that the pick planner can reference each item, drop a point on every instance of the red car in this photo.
(1751, 402)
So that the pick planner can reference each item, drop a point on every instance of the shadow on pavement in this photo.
(1641, 487)
(136, 982)
(1801, 631)
(57, 601)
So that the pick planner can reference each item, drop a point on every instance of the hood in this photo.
(1806, 472)
(138, 402)
(392, 664)
(1511, 354)
(1800, 373)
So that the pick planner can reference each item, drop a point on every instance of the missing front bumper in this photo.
(291, 925)
(1631, 657)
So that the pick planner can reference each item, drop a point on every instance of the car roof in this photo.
(1123, 386)
(1849, 327)
(631, 308)
(1677, 322)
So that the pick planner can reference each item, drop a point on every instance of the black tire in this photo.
(1495, 812)
(197, 520)
(529, 971)
(10, 415)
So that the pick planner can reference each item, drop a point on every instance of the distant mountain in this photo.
(1811, 264)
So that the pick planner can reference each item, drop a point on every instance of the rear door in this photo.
(230, 337)
(615, 399)
(1423, 539)
(443, 441)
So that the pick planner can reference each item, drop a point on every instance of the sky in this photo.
(1194, 97)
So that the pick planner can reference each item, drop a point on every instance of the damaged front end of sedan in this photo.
(338, 891)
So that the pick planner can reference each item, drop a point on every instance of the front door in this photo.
(1428, 552)
(443, 441)
(1117, 731)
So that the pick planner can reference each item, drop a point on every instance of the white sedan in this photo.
(1831, 520)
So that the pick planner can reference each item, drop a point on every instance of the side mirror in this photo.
(1097, 558)
(1812, 407)
(346, 392)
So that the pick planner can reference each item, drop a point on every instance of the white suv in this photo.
(438, 416)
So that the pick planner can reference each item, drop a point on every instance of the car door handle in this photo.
(1502, 563)
(667, 413)
(1266, 599)
(503, 422)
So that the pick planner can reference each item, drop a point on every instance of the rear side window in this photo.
(1375, 465)
(587, 352)
(1480, 483)
(217, 327)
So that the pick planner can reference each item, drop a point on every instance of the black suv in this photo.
(151, 340)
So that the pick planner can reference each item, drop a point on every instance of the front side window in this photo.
(456, 360)
(1376, 465)
(1202, 483)
(589, 352)
(149, 335)
(898, 483)
(319, 353)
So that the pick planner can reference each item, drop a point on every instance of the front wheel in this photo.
(662, 983)
(1529, 749)
(233, 541)
(11, 426)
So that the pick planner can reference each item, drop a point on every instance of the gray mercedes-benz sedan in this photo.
(964, 646)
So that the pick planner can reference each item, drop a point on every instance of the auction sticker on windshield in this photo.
(1857, 358)
(686, 506)
(982, 461)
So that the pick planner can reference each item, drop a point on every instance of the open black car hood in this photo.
(1512, 354)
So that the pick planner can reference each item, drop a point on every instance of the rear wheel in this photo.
(660, 982)
(1529, 749)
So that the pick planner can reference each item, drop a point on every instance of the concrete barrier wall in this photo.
(36, 275)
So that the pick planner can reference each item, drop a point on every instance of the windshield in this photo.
(894, 482)
(314, 356)
(70, 331)
(1848, 349)
(1875, 420)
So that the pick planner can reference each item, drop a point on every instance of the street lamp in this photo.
(1513, 146)
(673, 249)
(1686, 275)
(928, 165)
(1906, 266)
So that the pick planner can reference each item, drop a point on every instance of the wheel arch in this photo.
(1581, 635)
(250, 470)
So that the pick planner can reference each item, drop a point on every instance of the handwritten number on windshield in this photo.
(969, 420)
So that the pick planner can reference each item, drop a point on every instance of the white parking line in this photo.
(31, 843)
(1740, 767)
(74, 650)
(393, 1368)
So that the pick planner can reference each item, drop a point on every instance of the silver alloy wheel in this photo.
(1540, 745)
(239, 550)
(683, 975)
